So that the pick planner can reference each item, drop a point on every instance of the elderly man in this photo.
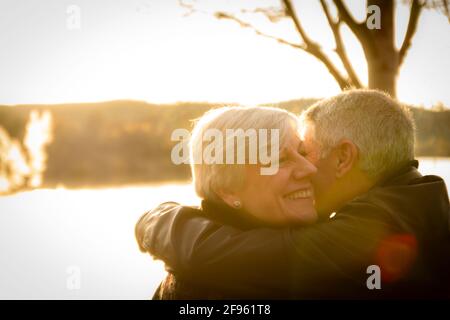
(387, 236)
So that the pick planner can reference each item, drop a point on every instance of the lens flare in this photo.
(396, 255)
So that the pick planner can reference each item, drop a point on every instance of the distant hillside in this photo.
(129, 141)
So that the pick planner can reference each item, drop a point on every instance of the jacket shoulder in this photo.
(158, 214)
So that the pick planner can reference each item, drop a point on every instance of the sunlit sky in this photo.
(148, 50)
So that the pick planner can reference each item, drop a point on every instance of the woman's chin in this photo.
(300, 211)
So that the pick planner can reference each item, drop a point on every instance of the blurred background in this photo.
(90, 92)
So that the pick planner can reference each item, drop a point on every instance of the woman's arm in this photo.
(285, 262)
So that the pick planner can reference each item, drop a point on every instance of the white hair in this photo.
(210, 177)
(381, 128)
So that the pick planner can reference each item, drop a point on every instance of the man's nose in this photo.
(304, 168)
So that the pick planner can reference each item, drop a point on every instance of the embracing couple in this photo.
(346, 215)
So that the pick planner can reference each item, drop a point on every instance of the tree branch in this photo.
(314, 49)
(189, 8)
(358, 29)
(416, 9)
(243, 24)
(340, 49)
(291, 13)
(442, 5)
(308, 45)
(274, 14)
(446, 9)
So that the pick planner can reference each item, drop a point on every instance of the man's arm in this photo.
(273, 260)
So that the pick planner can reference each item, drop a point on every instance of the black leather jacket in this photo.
(177, 287)
(401, 225)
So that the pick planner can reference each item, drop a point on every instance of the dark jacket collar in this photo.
(223, 213)
(404, 170)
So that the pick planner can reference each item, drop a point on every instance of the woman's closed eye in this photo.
(301, 151)
(287, 156)
(283, 159)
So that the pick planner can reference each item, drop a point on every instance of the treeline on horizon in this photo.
(128, 142)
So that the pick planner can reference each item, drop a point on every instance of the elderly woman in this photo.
(239, 193)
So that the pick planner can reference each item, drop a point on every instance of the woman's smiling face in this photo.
(286, 197)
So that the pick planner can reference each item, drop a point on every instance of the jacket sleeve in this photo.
(297, 260)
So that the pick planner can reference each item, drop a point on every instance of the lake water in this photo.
(79, 244)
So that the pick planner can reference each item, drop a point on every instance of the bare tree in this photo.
(383, 58)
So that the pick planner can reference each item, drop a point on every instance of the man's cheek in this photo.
(316, 183)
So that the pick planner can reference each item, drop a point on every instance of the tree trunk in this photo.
(381, 55)
(383, 71)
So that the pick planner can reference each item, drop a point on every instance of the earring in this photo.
(237, 204)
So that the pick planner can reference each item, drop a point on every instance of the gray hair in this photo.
(210, 177)
(381, 128)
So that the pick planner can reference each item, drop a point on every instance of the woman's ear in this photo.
(347, 154)
(229, 197)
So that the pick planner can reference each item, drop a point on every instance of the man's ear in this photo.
(347, 155)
